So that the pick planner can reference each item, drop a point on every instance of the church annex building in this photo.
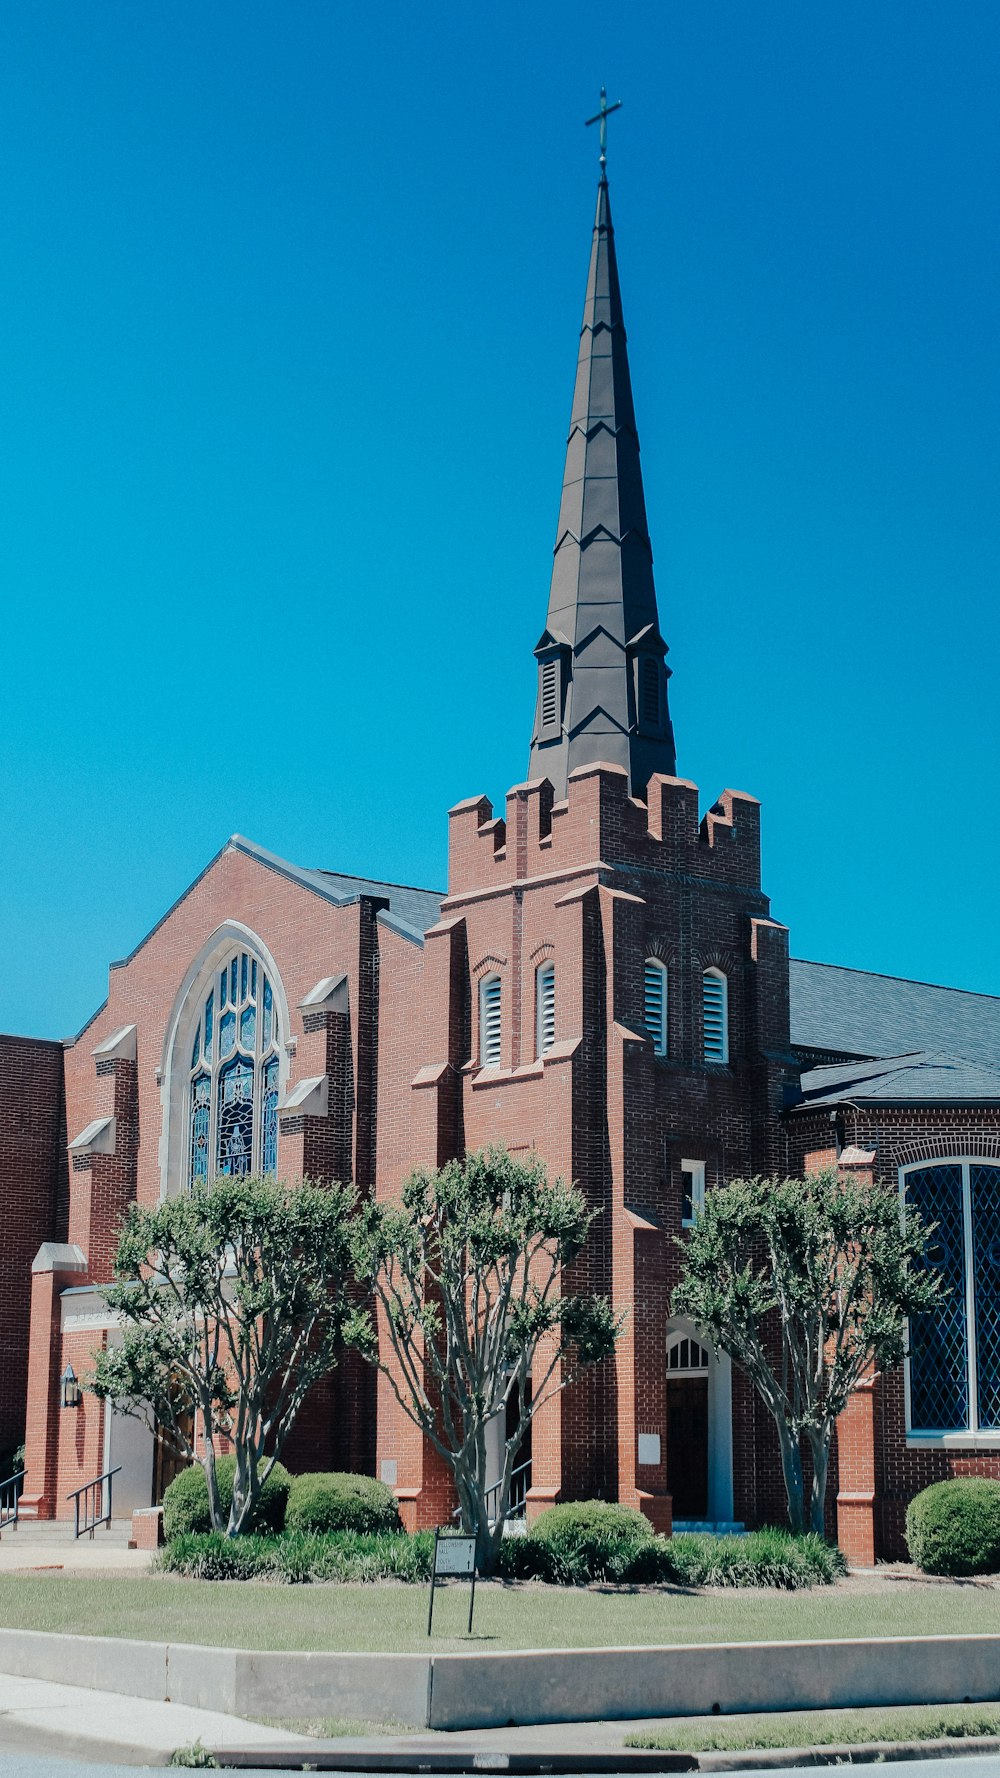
(603, 981)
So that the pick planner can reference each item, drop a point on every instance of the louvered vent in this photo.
(545, 1004)
(655, 1004)
(715, 1038)
(650, 683)
(550, 694)
(489, 1022)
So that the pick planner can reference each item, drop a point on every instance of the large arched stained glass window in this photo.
(233, 1116)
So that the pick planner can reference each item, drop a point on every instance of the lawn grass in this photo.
(822, 1728)
(371, 1619)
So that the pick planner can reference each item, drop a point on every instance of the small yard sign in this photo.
(454, 1558)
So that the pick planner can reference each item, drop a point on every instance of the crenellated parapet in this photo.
(601, 824)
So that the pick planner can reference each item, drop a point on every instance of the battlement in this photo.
(600, 822)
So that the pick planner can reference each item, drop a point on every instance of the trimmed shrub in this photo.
(954, 1527)
(768, 1558)
(341, 1502)
(185, 1502)
(591, 1539)
(300, 1556)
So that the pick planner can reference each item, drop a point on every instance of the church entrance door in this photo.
(687, 1426)
(687, 1446)
(168, 1461)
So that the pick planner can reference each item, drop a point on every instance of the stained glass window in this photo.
(954, 1357)
(233, 1091)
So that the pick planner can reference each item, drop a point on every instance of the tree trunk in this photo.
(819, 1444)
(791, 1469)
(212, 1482)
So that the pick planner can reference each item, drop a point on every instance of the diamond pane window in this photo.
(654, 1005)
(984, 1183)
(715, 1016)
(233, 1096)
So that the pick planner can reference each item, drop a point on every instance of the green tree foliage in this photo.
(232, 1302)
(465, 1270)
(807, 1284)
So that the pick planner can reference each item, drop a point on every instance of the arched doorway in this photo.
(699, 1429)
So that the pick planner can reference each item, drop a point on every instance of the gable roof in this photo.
(414, 908)
(853, 1013)
(925, 1078)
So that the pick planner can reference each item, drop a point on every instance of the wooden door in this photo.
(687, 1446)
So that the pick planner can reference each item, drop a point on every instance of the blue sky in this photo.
(288, 326)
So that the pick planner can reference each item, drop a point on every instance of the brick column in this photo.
(56, 1266)
(856, 1467)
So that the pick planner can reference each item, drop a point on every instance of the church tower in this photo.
(602, 677)
(606, 988)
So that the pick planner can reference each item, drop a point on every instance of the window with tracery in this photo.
(233, 1115)
(954, 1355)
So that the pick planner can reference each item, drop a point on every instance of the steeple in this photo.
(602, 678)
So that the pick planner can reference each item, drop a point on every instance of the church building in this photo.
(603, 982)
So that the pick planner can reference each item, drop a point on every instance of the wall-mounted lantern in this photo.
(72, 1395)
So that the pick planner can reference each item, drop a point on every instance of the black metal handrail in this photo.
(10, 1500)
(520, 1482)
(94, 1495)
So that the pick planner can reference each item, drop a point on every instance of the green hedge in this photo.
(301, 1556)
(185, 1503)
(340, 1502)
(768, 1558)
(586, 1540)
(954, 1527)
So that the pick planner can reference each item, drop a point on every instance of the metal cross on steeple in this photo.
(601, 117)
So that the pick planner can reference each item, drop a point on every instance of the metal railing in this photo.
(10, 1500)
(520, 1482)
(96, 1508)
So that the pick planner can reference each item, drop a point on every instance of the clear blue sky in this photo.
(288, 324)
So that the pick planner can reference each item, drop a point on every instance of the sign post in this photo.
(454, 1556)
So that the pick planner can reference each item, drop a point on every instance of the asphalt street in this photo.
(31, 1765)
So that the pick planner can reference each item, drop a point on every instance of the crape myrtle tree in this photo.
(465, 1270)
(233, 1301)
(807, 1284)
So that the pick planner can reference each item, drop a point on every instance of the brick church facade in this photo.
(602, 982)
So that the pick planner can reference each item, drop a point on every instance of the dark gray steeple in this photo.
(602, 678)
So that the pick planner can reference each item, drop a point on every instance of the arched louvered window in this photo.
(715, 1016)
(490, 1027)
(550, 694)
(649, 691)
(545, 1007)
(654, 1006)
(233, 1082)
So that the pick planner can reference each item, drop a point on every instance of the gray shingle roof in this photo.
(852, 1013)
(925, 1078)
(414, 908)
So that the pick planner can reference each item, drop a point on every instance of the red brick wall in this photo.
(32, 1172)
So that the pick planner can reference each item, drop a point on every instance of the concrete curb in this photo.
(345, 1756)
(494, 1690)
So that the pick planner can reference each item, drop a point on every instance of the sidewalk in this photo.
(40, 1717)
(48, 1545)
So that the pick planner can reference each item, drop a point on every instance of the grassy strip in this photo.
(822, 1728)
(372, 1619)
